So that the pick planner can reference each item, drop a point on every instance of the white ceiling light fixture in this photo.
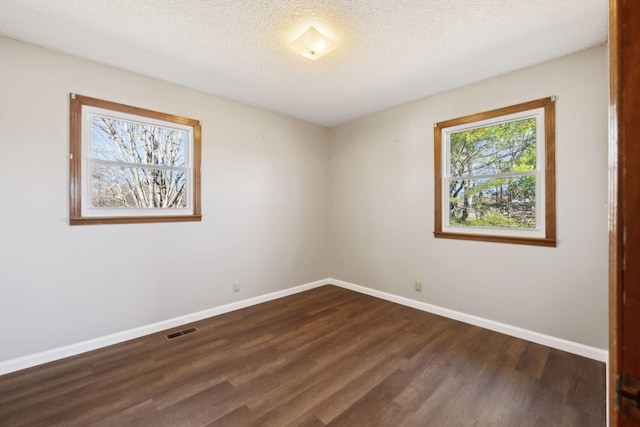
(312, 44)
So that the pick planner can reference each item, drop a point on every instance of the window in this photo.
(495, 175)
(130, 165)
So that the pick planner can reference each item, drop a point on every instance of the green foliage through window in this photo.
(492, 173)
(495, 175)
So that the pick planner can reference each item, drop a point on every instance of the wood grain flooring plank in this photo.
(340, 401)
(392, 414)
(82, 404)
(533, 360)
(511, 352)
(319, 386)
(197, 410)
(309, 420)
(375, 400)
(241, 416)
(331, 361)
(133, 416)
(424, 384)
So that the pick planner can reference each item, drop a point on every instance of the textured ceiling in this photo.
(391, 52)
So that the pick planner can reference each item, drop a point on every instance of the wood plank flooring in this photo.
(325, 357)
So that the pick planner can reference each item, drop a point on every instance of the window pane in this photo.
(124, 187)
(130, 142)
(499, 203)
(499, 148)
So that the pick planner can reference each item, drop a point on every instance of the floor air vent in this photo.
(174, 335)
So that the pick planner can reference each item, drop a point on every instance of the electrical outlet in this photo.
(236, 286)
(418, 286)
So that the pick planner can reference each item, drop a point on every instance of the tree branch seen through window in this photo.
(495, 175)
(132, 165)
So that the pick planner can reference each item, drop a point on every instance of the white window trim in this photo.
(92, 211)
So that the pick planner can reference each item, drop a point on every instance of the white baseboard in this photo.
(525, 334)
(94, 344)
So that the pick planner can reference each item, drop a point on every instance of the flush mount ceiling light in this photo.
(312, 44)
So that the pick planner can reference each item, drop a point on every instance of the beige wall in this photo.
(381, 207)
(263, 200)
(287, 203)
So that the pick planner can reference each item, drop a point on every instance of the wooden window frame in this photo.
(549, 238)
(77, 190)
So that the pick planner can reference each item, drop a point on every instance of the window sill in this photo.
(133, 219)
(496, 239)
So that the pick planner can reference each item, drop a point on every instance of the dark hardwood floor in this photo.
(326, 357)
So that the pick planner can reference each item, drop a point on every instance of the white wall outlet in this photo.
(236, 286)
(418, 286)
